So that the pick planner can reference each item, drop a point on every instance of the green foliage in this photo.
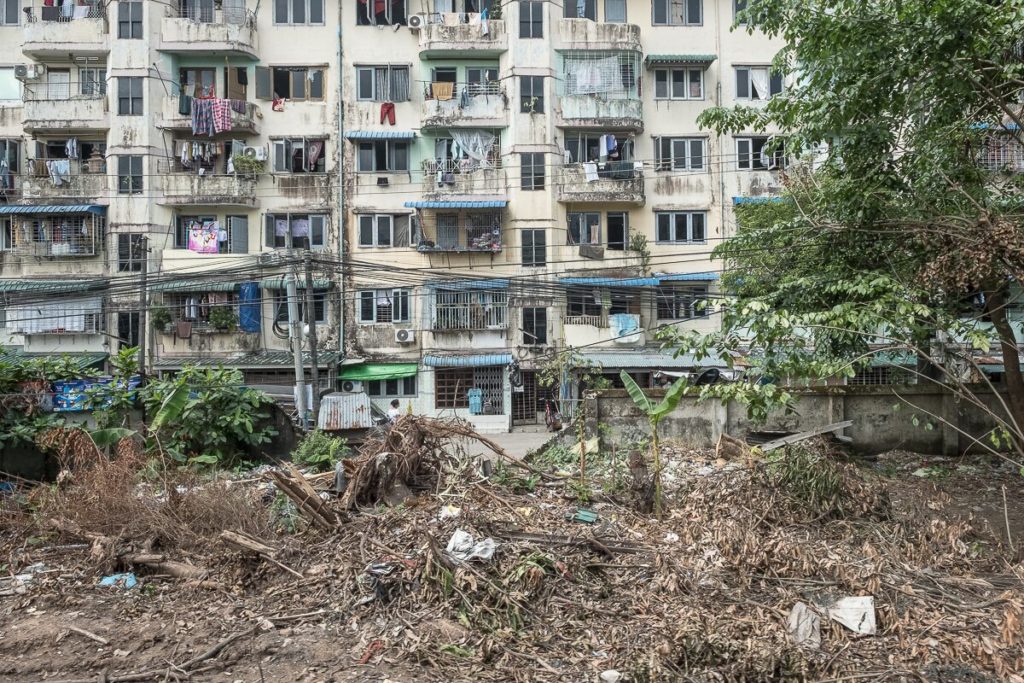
(160, 317)
(809, 477)
(223, 318)
(247, 166)
(638, 244)
(320, 451)
(206, 416)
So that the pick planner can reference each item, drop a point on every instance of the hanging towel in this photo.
(484, 30)
(590, 171)
(71, 148)
(442, 91)
(315, 149)
(221, 115)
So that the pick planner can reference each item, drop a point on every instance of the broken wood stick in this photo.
(247, 543)
(795, 438)
(89, 634)
(160, 563)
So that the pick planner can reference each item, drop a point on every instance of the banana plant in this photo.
(654, 413)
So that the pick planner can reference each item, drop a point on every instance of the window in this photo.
(583, 301)
(751, 154)
(681, 227)
(531, 19)
(380, 13)
(587, 147)
(584, 228)
(319, 305)
(10, 152)
(129, 20)
(680, 154)
(391, 388)
(757, 83)
(233, 229)
(580, 9)
(297, 12)
(470, 309)
(299, 155)
(129, 174)
(92, 81)
(184, 224)
(535, 326)
(203, 80)
(677, 12)
(10, 12)
(615, 11)
(535, 250)
(618, 231)
(290, 82)
(384, 230)
(129, 95)
(678, 84)
(738, 7)
(482, 80)
(382, 83)
(531, 94)
(384, 306)
(452, 385)
(10, 87)
(300, 227)
(6, 236)
(382, 155)
(681, 303)
(129, 253)
(532, 177)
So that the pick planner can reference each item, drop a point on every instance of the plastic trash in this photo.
(463, 546)
(855, 613)
(125, 581)
(610, 676)
(804, 626)
(449, 512)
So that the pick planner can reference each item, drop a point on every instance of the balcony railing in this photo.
(450, 33)
(66, 106)
(178, 117)
(201, 27)
(1002, 153)
(464, 176)
(470, 310)
(69, 11)
(57, 236)
(614, 181)
(482, 235)
(592, 320)
(208, 189)
(66, 179)
(481, 104)
(52, 33)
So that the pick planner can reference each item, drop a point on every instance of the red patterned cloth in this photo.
(221, 115)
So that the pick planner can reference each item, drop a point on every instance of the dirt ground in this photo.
(291, 629)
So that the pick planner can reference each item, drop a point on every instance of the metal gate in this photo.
(524, 403)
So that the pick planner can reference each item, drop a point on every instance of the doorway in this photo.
(524, 400)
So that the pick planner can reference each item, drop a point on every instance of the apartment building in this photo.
(536, 171)
(198, 125)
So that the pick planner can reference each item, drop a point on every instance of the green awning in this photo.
(83, 360)
(371, 371)
(51, 286)
(660, 60)
(193, 286)
(279, 283)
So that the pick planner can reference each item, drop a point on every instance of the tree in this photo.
(899, 231)
(654, 413)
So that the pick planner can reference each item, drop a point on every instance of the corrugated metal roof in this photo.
(496, 283)
(266, 359)
(758, 200)
(679, 59)
(642, 359)
(480, 360)
(380, 135)
(340, 411)
(194, 286)
(610, 281)
(11, 209)
(376, 371)
(51, 286)
(81, 359)
(687, 277)
(457, 204)
(279, 283)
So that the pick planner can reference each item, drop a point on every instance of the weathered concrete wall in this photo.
(882, 420)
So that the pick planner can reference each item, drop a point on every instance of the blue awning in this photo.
(497, 283)
(610, 281)
(490, 204)
(686, 277)
(478, 361)
(758, 200)
(10, 209)
(380, 135)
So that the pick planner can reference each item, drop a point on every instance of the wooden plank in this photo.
(794, 438)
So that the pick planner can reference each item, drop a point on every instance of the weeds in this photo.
(320, 451)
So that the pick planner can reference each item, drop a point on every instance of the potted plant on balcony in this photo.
(161, 318)
(223, 319)
(247, 167)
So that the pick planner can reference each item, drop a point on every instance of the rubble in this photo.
(793, 566)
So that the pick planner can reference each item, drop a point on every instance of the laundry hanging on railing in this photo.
(60, 171)
(213, 115)
(588, 77)
(476, 144)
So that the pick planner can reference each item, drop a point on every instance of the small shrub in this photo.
(320, 451)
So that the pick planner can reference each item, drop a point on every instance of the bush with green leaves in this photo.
(320, 451)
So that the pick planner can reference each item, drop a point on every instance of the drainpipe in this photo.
(718, 103)
(340, 161)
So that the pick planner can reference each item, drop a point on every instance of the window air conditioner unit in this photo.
(405, 336)
(351, 386)
(417, 22)
(28, 72)
(383, 181)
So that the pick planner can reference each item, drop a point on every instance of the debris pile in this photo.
(784, 565)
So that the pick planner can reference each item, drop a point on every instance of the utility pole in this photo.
(295, 333)
(143, 247)
(311, 324)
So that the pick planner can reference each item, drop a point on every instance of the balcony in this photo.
(446, 35)
(467, 105)
(58, 107)
(305, 190)
(63, 235)
(79, 182)
(457, 311)
(53, 34)
(455, 178)
(595, 112)
(584, 34)
(615, 182)
(207, 31)
(189, 189)
(244, 122)
(455, 234)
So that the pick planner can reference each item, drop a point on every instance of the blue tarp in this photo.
(482, 360)
(70, 396)
(758, 200)
(610, 281)
(687, 277)
(249, 307)
(8, 209)
(454, 204)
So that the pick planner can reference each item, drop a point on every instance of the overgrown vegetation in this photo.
(320, 451)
